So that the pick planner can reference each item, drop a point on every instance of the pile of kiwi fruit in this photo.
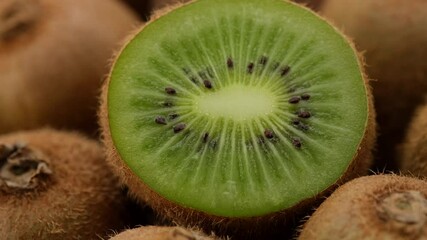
(213, 119)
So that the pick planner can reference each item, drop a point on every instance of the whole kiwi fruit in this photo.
(161, 233)
(413, 151)
(392, 37)
(221, 117)
(53, 57)
(56, 185)
(387, 207)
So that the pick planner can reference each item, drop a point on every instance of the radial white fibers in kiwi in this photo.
(387, 207)
(161, 233)
(56, 185)
(237, 108)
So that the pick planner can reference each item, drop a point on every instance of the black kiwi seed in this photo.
(170, 91)
(208, 84)
(263, 60)
(296, 122)
(268, 134)
(205, 137)
(251, 67)
(304, 114)
(296, 142)
(173, 116)
(160, 120)
(230, 63)
(179, 127)
(167, 104)
(285, 70)
(305, 96)
(294, 100)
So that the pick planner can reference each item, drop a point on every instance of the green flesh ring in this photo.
(238, 108)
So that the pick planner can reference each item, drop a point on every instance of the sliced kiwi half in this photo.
(237, 108)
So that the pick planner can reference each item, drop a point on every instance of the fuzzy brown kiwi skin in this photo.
(275, 225)
(413, 152)
(79, 199)
(361, 209)
(392, 36)
(53, 56)
(162, 233)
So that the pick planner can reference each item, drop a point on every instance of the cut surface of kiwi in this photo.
(238, 108)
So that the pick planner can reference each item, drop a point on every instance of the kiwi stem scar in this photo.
(20, 166)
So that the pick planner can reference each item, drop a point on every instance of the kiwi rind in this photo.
(79, 199)
(390, 36)
(53, 60)
(358, 210)
(413, 152)
(250, 225)
(161, 233)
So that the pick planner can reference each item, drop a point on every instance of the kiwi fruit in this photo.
(161, 233)
(373, 207)
(413, 151)
(391, 34)
(53, 56)
(56, 185)
(236, 114)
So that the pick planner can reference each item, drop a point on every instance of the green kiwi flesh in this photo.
(238, 108)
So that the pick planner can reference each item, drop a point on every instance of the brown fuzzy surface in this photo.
(413, 158)
(161, 233)
(275, 225)
(80, 199)
(392, 35)
(51, 67)
(357, 211)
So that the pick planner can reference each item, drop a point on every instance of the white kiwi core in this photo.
(236, 102)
